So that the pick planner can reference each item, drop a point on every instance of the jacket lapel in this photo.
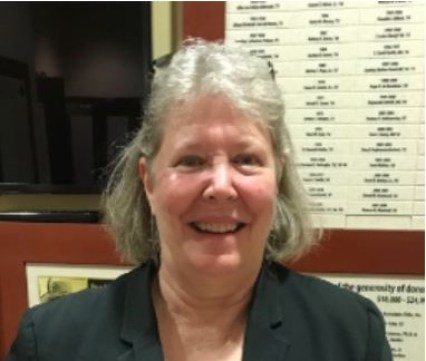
(139, 327)
(143, 351)
(265, 339)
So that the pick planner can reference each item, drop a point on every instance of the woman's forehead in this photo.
(205, 109)
(204, 104)
(213, 117)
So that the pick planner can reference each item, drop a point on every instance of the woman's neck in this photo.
(195, 324)
(198, 298)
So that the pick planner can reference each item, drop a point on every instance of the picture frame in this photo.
(46, 282)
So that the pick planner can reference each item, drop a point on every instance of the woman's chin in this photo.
(216, 264)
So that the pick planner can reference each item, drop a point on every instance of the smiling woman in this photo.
(206, 200)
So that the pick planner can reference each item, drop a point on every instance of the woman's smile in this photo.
(217, 228)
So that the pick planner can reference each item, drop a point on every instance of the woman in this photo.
(205, 199)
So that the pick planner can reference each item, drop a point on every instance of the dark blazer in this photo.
(292, 317)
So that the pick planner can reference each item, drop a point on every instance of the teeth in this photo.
(217, 227)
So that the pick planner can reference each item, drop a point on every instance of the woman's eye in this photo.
(247, 160)
(191, 161)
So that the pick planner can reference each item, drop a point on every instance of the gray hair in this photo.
(200, 67)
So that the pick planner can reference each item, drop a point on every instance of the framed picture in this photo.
(46, 282)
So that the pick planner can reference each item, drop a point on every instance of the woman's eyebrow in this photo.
(243, 142)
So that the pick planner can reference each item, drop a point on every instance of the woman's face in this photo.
(212, 188)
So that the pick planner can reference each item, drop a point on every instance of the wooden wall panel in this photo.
(203, 19)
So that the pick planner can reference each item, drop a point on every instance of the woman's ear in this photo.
(145, 177)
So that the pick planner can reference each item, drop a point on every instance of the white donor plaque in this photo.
(401, 300)
(352, 80)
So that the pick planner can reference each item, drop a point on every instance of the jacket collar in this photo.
(264, 339)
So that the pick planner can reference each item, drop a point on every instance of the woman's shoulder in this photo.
(322, 298)
(316, 314)
(68, 322)
(77, 323)
(85, 309)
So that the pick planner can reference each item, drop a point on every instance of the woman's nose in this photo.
(221, 185)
